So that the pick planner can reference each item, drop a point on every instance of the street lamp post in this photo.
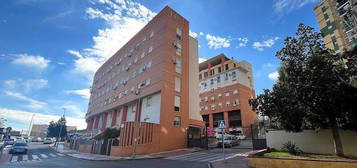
(59, 134)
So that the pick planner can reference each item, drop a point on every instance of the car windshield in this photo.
(227, 138)
(20, 144)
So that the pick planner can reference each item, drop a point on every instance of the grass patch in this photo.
(305, 156)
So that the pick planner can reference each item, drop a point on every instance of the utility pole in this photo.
(30, 126)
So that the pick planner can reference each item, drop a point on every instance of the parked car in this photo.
(19, 139)
(10, 142)
(19, 147)
(47, 141)
(229, 141)
(37, 139)
(7, 147)
(27, 139)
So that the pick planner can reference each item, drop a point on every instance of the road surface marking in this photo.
(35, 157)
(53, 155)
(25, 158)
(14, 159)
(60, 154)
(44, 156)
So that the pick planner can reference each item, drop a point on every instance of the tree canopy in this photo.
(57, 129)
(316, 87)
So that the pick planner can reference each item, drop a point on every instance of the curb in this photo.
(118, 159)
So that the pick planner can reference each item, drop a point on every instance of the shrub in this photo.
(291, 148)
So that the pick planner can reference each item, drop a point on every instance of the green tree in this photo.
(315, 89)
(57, 129)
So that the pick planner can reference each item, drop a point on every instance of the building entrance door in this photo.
(194, 137)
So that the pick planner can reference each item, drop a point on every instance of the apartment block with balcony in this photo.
(145, 88)
(225, 87)
(338, 23)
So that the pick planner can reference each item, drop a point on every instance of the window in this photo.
(178, 48)
(177, 103)
(177, 84)
(151, 34)
(177, 121)
(178, 65)
(205, 74)
(220, 95)
(235, 91)
(206, 99)
(211, 72)
(142, 55)
(150, 49)
(213, 107)
(148, 66)
(235, 102)
(148, 82)
(178, 33)
(148, 101)
(200, 76)
(227, 67)
(212, 81)
(212, 98)
(218, 79)
(219, 69)
(228, 103)
(227, 93)
(226, 76)
(234, 74)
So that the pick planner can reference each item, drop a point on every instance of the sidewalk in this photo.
(236, 162)
(95, 157)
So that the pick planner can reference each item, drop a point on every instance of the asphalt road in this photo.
(41, 156)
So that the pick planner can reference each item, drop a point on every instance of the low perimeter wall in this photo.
(310, 141)
(259, 162)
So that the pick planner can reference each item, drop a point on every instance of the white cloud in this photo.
(217, 42)
(84, 93)
(32, 103)
(26, 85)
(265, 44)
(274, 75)
(193, 34)
(200, 60)
(124, 19)
(73, 109)
(281, 6)
(38, 62)
(39, 118)
(242, 41)
(202, 34)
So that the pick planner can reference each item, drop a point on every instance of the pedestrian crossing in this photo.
(204, 156)
(33, 157)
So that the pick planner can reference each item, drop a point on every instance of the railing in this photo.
(139, 132)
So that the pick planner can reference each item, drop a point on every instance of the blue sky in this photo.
(49, 50)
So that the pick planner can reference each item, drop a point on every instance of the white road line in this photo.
(44, 156)
(186, 156)
(35, 157)
(25, 158)
(53, 155)
(205, 158)
(60, 154)
(14, 159)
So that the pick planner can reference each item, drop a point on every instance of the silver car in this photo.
(19, 147)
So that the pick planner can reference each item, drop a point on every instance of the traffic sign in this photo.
(221, 124)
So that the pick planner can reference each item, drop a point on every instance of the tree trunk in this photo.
(336, 138)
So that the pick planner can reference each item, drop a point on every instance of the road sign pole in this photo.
(224, 155)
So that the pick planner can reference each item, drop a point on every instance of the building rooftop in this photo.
(213, 61)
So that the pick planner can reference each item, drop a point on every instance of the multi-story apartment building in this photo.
(148, 88)
(338, 23)
(225, 87)
(39, 130)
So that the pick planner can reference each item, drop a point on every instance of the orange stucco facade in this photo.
(143, 89)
